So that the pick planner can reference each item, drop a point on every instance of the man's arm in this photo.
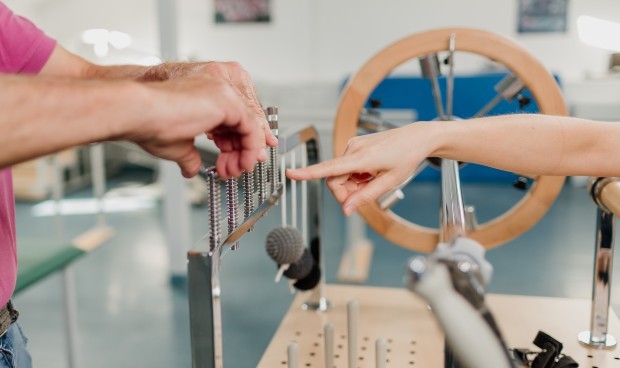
(66, 64)
(43, 115)
(531, 144)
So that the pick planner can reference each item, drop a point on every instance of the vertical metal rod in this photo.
(97, 168)
(380, 353)
(248, 195)
(272, 119)
(261, 181)
(232, 207)
(429, 65)
(283, 206)
(452, 217)
(215, 221)
(304, 196)
(450, 81)
(293, 355)
(68, 285)
(601, 288)
(352, 323)
(71, 330)
(328, 334)
(293, 189)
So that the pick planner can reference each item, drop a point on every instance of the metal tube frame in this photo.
(597, 336)
(204, 289)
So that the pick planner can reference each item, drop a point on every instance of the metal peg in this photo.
(232, 207)
(274, 172)
(248, 199)
(215, 207)
(261, 181)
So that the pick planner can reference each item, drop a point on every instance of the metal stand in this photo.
(204, 262)
(597, 336)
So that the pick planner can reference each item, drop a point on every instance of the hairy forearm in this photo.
(44, 115)
(533, 144)
(160, 72)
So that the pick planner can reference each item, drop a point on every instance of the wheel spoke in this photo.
(430, 70)
(507, 89)
(373, 123)
(450, 81)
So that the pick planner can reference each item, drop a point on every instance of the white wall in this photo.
(320, 40)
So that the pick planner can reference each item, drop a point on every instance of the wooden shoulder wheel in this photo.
(526, 73)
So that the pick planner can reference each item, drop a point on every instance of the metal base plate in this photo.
(609, 342)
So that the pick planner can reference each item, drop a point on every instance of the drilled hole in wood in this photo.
(390, 341)
(366, 338)
(589, 356)
(336, 356)
(361, 358)
(363, 348)
(410, 363)
(312, 353)
(298, 333)
(412, 352)
(284, 362)
(339, 346)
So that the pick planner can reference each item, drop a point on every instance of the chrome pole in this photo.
(597, 336)
(452, 216)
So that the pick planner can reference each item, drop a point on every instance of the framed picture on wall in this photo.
(242, 11)
(537, 16)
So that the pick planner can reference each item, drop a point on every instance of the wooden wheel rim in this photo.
(525, 213)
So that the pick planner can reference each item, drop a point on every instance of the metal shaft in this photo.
(601, 288)
(232, 207)
(261, 180)
(248, 199)
(452, 221)
(215, 208)
(274, 172)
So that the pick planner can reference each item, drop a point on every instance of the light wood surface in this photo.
(523, 215)
(413, 338)
(610, 196)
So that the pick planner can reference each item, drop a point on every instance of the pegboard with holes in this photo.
(413, 338)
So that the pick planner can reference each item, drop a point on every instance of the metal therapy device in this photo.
(267, 185)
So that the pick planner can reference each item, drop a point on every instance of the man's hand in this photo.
(182, 108)
(232, 72)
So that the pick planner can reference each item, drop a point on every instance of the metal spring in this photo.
(232, 207)
(262, 182)
(248, 200)
(215, 208)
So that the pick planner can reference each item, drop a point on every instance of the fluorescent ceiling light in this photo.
(599, 32)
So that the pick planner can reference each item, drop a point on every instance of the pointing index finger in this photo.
(337, 166)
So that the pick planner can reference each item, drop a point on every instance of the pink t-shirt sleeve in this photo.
(24, 48)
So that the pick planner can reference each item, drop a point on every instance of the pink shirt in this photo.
(23, 49)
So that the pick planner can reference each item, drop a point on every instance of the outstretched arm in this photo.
(533, 144)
